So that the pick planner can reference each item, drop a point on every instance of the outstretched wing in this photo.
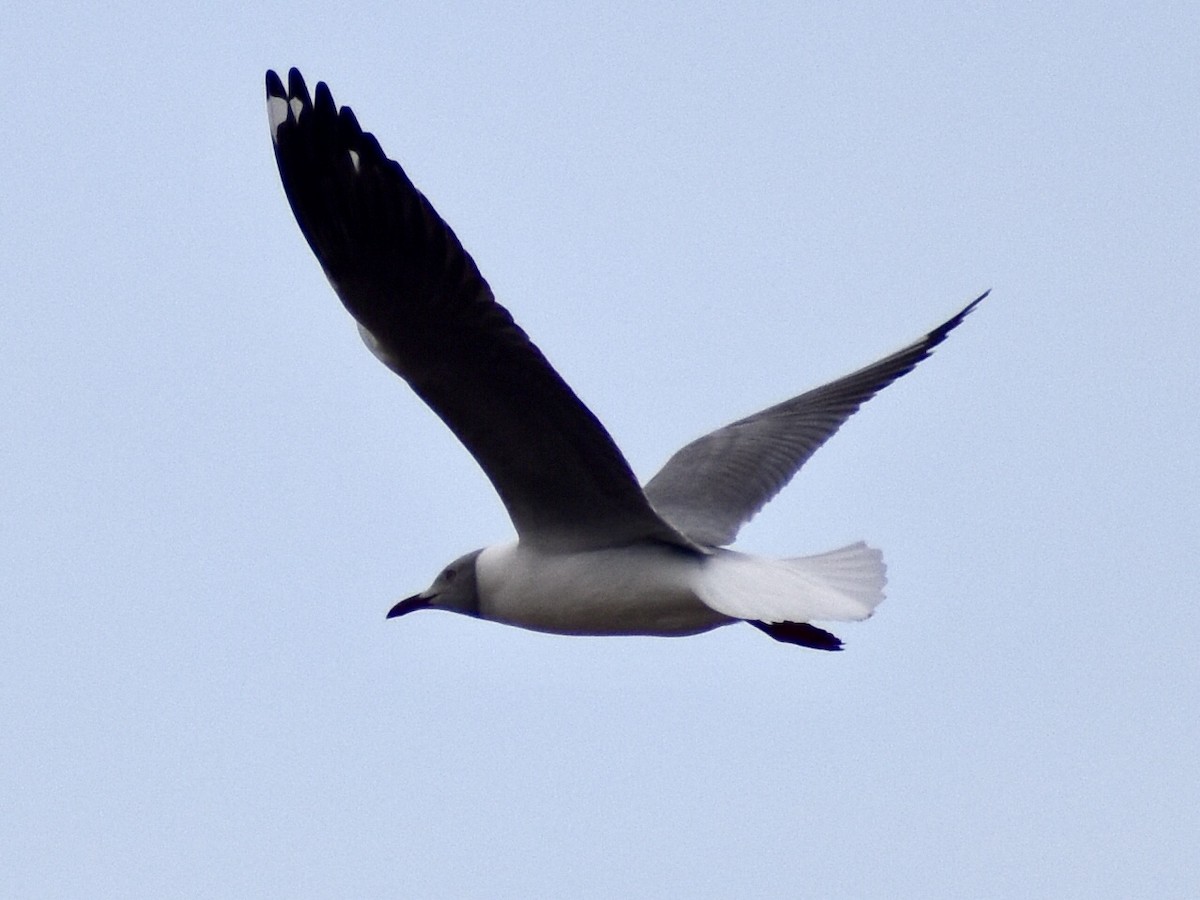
(714, 485)
(426, 312)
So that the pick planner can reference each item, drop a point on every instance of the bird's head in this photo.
(455, 589)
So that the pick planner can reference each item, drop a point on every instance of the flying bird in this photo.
(596, 553)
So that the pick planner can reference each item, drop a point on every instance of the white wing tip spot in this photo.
(354, 159)
(277, 113)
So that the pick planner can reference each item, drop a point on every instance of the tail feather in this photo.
(841, 585)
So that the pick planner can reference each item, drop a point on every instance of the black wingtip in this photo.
(274, 85)
(974, 303)
(297, 88)
(801, 634)
(940, 333)
(323, 97)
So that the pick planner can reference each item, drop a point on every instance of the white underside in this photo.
(643, 589)
(654, 589)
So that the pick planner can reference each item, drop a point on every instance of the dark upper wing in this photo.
(714, 485)
(428, 314)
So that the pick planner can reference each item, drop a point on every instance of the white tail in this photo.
(841, 585)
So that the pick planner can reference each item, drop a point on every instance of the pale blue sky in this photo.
(212, 493)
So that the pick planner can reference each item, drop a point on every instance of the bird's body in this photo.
(648, 588)
(596, 553)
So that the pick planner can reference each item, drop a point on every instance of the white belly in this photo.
(628, 590)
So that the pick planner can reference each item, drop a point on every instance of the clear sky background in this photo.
(211, 493)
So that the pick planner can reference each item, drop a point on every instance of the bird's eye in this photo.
(448, 575)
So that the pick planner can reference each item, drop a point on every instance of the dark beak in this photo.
(406, 606)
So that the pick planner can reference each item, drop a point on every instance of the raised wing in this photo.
(425, 310)
(717, 483)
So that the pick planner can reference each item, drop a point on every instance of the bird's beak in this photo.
(407, 606)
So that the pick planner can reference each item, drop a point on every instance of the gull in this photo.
(596, 553)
